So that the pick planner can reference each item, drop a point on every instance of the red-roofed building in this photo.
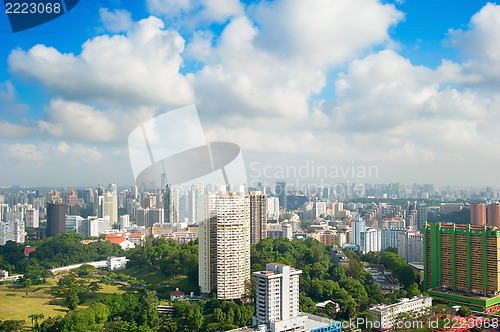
(137, 238)
(176, 295)
(28, 250)
(120, 239)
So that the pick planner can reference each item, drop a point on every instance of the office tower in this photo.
(422, 213)
(141, 217)
(108, 206)
(11, 231)
(411, 246)
(258, 217)
(88, 196)
(155, 216)
(32, 218)
(461, 263)
(72, 201)
(281, 193)
(56, 219)
(277, 297)
(477, 214)
(224, 244)
(494, 215)
(73, 223)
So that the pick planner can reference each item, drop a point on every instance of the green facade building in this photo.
(462, 264)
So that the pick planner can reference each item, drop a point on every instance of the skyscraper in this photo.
(258, 217)
(281, 193)
(56, 219)
(493, 214)
(477, 214)
(224, 244)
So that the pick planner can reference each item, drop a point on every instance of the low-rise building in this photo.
(387, 315)
(383, 278)
(116, 263)
(322, 305)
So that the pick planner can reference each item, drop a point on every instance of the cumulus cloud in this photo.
(14, 131)
(195, 12)
(480, 48)
(251, 81)
(139, 68)
(118, 20)
(9, 100)
(324, 32)
(73, 120)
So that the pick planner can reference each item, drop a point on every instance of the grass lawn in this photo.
(105, 291)
(150, 277)
(14, 306)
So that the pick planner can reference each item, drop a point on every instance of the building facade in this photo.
(258, 217)
(224, 244)
(462, 263)
(56, 219)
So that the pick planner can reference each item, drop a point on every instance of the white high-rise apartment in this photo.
(411, 246)
(11, 231)
(32, 218)
(369, 240)
(224, 244)
(273, 207)
(277, 301)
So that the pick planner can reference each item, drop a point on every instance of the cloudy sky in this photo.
(409, 87)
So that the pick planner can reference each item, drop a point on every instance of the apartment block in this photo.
(462, 263)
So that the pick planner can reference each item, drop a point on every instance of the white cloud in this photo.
(14, 131)
(72, 120)
(8, 98)
(251, 81)
(139, 68)
(479, 43)
(324, 32)
(195, 12)
(118, 20)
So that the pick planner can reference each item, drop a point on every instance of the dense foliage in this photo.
(61, 250)
(169, 257)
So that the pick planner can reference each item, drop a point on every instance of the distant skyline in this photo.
(409, 88)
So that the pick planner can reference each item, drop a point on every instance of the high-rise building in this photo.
(493, 214)
(370, 240)
(11, 231)
(277, 301)
(277, 304)
(56, 219)
(477, 214)
(258, 217)
(224, 244)
(358, 226)
(32, 218)
(422, 213)
(108, 206)
(462, 264)
(411, 246)
(281, 193)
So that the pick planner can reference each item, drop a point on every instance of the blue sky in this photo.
(406, 86)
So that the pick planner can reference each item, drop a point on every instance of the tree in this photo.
(464, 311)
(27, 282)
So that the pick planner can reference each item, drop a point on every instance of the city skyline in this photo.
(406, 88)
